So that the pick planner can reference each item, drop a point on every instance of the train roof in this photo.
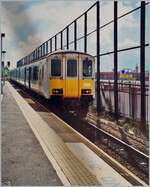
(19, 63)
(68, 51)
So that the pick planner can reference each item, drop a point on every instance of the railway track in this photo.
(133, 159)
(116, 130)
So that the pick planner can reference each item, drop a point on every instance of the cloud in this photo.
(128, 43)
(30, 23)
(37, 22)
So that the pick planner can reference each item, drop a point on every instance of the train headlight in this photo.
(86, 91)
(57, 91)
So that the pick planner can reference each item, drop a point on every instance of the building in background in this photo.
(125, 74)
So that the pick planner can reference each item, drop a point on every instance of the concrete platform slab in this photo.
(68, 135)
(23, 160)
(69, 168)
(104, 173)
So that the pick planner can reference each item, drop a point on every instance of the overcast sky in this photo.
(28, 23)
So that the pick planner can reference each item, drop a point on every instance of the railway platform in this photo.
(23, 160)
(38, 148)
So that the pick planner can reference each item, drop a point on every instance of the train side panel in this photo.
(68, 74)
(33, 76)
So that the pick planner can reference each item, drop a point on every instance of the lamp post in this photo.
(8, 64)
(2, 36)
(3, 67)
(2, 52)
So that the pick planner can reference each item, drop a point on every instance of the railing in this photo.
(64, 42)
(129, 94)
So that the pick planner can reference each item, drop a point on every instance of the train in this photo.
(66, 74)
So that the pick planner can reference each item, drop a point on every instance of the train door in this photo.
(40, 77)
(45, 79)
(29, 77)
(72, 76)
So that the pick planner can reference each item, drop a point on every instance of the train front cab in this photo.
(71, 76)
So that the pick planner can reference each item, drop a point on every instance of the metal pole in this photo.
(142, 62)
(67, 37)
(55, 42)
(1, 47)
(1, 67)
(47, 47)
(51, 45)
(33, 56)
(98, 56)
(75, 35)
(61, 40)
(85, 32)
(41, 51)
(115, 60)
(38, 52)
(130, 104)
(44, 49)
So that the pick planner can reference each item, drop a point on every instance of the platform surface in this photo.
(68, 153)
(23, 160)
(70, 169)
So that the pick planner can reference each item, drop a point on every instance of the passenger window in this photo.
(56, 67)
(87, 68)
(72, 68)
(35, 73)
(19, 74)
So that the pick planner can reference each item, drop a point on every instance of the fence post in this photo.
(51, 45)
(98, 56)
(133, 102)
(37, 53)
(47, 47)
(41, 52)
(61, 40)
(115, 60)
(85, 32)
(67, 37)
(75, 35)
(44, 49)
(55, 42)
(142, 63)
(130, 104)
